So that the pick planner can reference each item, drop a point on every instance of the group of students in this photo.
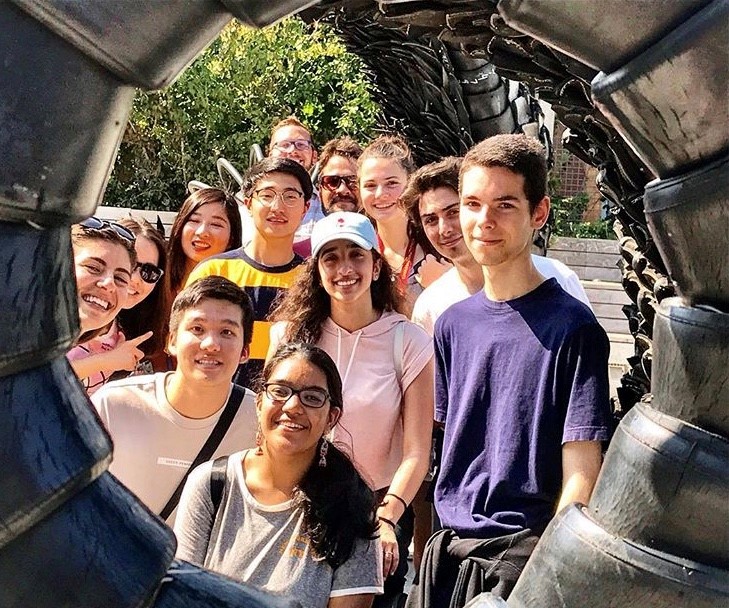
(415, 306)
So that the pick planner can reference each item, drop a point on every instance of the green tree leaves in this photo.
(228, 99)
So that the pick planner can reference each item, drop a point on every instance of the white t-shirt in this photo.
(449, 289)
(265, 546)
(154, 445)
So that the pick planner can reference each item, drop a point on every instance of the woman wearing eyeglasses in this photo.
(293, 517)
(345, 302)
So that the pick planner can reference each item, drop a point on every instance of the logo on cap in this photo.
(340, 221)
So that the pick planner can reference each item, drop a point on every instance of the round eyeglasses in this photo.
(289, 197)
(309, 396)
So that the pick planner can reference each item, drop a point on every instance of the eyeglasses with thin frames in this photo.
(288, 145)
(309, 396)
(289, 197)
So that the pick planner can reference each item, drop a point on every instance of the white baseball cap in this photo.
(346, 225)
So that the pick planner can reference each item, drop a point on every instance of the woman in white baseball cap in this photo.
(345, 302)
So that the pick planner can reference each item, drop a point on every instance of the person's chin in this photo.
(344, 206)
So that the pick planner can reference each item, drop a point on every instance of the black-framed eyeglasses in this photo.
(289, 197)
(149, 272)
(310, 396)
(332, 182)
(94, 223)
(288, 145)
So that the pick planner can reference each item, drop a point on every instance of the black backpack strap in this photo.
(208, 449)
(218, 476)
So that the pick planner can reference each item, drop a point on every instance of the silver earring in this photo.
(323, 449)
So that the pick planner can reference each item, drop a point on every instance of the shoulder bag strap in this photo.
(217, 482)
(398, 351)
(208, 449)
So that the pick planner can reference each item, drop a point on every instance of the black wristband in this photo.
(389, 522)
(396, 497)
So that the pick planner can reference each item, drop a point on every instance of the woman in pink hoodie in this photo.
(346, 303)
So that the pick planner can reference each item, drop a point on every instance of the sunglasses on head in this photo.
(94, 223)
(332, 182)
(149, 272)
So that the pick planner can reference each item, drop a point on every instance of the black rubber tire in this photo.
(38, 293)
(45, 417)
(56, 160)
(689, 219)
(665, 484)
(577, 564)
(691, 365)
(613, 38)
(673, 127)
(102, 548)
(186, 586)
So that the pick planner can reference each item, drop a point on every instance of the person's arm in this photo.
(417, 415)
(194, 520)
(124, 356)
(351, 601)
(581, 461)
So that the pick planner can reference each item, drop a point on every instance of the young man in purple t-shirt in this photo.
(521, 378)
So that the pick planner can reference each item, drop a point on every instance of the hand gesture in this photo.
(126, 354)
(431, 269)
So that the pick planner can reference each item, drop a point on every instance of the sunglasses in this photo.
(332, 182)
(94, 223)
(149, 272)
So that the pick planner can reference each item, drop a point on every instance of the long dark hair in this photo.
(149, 314)
(176, 259)
(339, 507)
(306, 304)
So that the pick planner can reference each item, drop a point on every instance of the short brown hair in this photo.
(389, 146)
(289, 121)
(214, 288)
(443, 174)
(340, 146)
(519, 153)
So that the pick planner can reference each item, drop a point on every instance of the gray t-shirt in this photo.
(264, 545)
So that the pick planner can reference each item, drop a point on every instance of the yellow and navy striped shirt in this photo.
(262, 284)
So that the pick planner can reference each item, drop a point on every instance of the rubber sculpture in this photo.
(642, 88)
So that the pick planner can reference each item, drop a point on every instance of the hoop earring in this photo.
(323, 449)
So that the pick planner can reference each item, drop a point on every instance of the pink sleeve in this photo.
(418, 351)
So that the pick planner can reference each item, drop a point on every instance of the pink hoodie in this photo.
(371, 425)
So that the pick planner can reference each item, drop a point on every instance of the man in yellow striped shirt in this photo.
(277, 193)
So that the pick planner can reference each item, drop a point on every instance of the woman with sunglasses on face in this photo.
(384, 169)
(345, 302)
(148, 298)
(111, 355)
(294, 517)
